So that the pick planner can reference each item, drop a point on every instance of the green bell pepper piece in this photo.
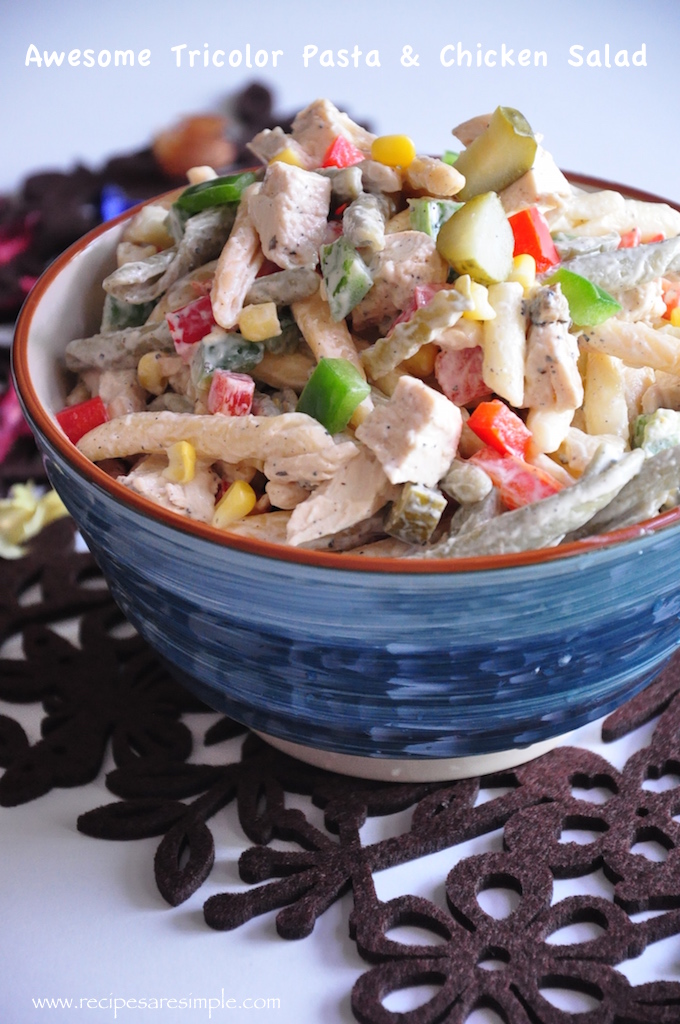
(346, 276)
(332, 393)
(428, 215)
(216, 192)
(589, 305)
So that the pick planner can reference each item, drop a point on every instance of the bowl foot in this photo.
(435, 769)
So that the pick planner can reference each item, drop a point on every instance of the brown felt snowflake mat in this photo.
(136, 711)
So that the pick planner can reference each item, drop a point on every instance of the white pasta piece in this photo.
(504, 343)
(267, 526)
(663, 392)
(389, 547)
(604, 404)
(358, 490)
(285, 370)
(434, 177)
(131, 252)
(548, 428)
(148, 227)
(232, 438)
(309, 469)
(285, 495)
(597, 213)
(202, 172)
(238, 264)
(578, 449)
(636, 344)
(548, 464)
(325, 337)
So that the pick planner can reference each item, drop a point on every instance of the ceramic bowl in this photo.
(386, 669)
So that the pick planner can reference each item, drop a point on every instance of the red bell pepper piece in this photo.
(501, 428)
(670, 293)
(532, 236)
(518, 481)
(78, 420)
(190, 323)
(342, 153)
(459, 374)
(630, 239)
(231, 394)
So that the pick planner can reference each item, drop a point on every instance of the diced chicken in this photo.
(195, 499)
(433, 177)
(409, 258)
(415, 435)
(543, 186)
(290, 213)
(356, 492)
(119, 390)
(468, 131)
(552, 379)
(238, 264)
(315, 127)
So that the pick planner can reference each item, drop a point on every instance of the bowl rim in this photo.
(42, 421)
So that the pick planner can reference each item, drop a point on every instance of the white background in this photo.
(618, 122)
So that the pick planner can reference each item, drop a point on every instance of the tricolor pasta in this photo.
(359, 347)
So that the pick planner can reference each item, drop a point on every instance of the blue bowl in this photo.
(387, 669)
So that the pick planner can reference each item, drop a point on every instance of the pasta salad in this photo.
(358, 347)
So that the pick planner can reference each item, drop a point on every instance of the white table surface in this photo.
(82, 919)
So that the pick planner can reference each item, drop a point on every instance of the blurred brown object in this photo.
(197, 140)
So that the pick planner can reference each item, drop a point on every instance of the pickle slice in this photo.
(478, 240)
(501, 154)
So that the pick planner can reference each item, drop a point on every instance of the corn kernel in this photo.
(181, 463)
(675, 317)
(393, 150)
(478, 295)
(237, 501)
(524, 271)
(259, 322)
(288, 156)
(149, 373)
(421, 364)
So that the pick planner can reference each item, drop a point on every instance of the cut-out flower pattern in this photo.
(107, 690)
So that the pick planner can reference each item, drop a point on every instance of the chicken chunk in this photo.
(315, 127)
(551, 376)
(543, 186)
(409, 258)
(195, 499)
(415, 435)
(357, 491)
(290, 212)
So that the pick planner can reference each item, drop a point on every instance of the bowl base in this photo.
(435, 769)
